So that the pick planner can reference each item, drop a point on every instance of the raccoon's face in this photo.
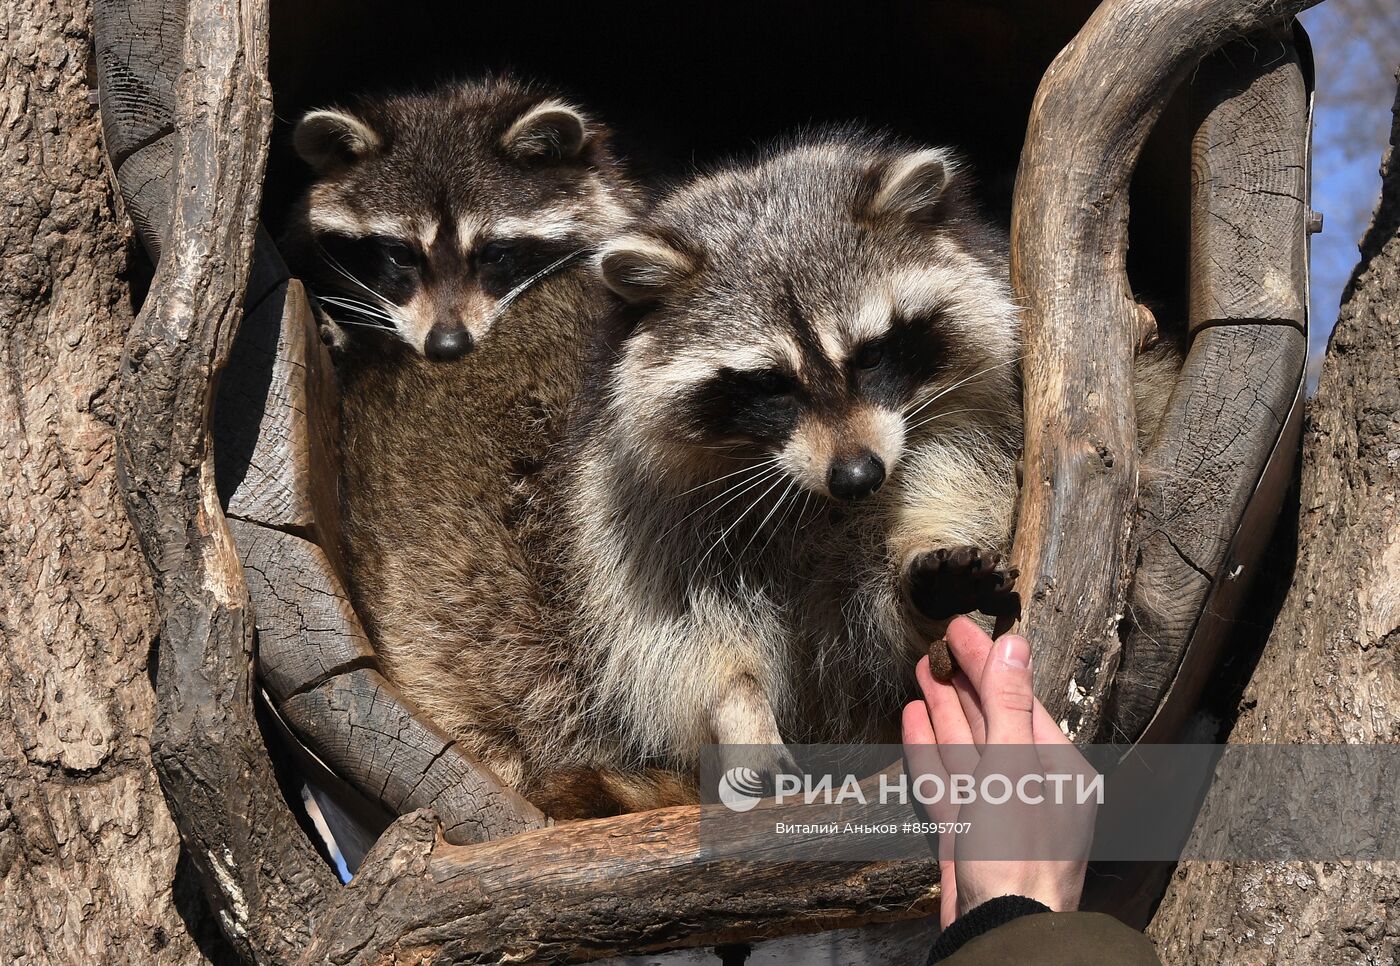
(820, 310)
(430, 212)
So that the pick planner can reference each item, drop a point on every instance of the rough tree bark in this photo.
(90, 866)
(1328, 673)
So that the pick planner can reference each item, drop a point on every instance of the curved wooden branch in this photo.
(1248, 311)
(1092, 114)
(207, 747)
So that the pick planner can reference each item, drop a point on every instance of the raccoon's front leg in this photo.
(744, 726)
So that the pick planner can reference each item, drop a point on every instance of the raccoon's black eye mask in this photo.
(890, 369)
(503, 263)
(762, 405)
(371, 267)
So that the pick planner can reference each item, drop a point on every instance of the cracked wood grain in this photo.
(1092, 113)
(262, 878)
(1328, 674)
(139, 52)
(1247, 311)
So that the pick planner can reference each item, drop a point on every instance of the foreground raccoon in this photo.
(431, 212)
(803, 462)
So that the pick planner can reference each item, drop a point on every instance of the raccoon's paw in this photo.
(943, 583)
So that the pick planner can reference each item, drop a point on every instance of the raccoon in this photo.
(430, 212)
(443, 461)
(803, 462)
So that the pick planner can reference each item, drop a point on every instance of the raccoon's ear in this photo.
(912, 185)
(551, 129)
(640, 268)
(329, 139)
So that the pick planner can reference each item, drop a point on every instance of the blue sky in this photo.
(1356, 45)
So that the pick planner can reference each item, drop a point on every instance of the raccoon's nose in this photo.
(855, 477)
(447, 342)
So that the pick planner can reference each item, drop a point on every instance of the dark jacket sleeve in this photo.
(1002, 935)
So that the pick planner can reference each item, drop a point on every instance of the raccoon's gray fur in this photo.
(802, 463)
(429, 211)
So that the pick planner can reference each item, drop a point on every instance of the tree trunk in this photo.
(1329, 671)
(90, 866)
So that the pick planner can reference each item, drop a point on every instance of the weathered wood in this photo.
(275, 423)
(1236, 389)
(263, 880)
(1328, 673)
(307, 631)
(1249, 185)
(91, 865)
(1245, 369)
(588, 890)
(1091, 116)
(139, 51)
(360, 725)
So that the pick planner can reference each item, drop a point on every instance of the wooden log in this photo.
(588, 890)
(263, 881)
(1248, 312)
(1236, 391)
(276, 423)
(140, 55)
(1249, 185)
(1090, 118)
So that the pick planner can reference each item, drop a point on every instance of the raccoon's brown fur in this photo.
(449, 552)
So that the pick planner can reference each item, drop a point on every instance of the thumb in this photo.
(1006, 692)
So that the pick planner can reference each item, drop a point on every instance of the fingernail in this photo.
(1015, 651)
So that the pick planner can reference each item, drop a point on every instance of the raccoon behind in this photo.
(430, 212)
(494, 182)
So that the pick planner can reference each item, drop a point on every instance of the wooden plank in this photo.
(139, 55)
(1236, 389)
(359, 724)
(276, 423)
(145, 179)
(1249, 179)
(1247, 313)
(307, 630)
(1091, 117)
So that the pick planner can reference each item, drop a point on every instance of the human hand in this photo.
(987, 721)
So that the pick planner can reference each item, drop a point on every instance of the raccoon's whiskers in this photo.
(335, 264)
(947, 389)
(782, 498)
(733, 491)
(358, 307)
(745, 469)
(739, 519)
(521, 288)
(936, 416)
